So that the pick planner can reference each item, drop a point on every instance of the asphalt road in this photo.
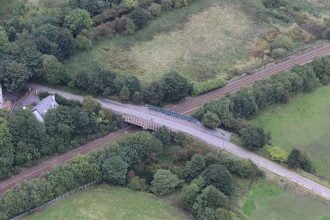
(198, 131)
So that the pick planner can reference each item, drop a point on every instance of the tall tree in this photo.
(6, 150)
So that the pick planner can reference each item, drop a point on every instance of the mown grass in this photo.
(108, 202)
(205, 39)
(303, 123)
(266, 200)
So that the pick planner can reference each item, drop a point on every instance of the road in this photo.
(186, 107)
(198, 131)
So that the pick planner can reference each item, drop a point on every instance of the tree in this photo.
(188, 195)
(13, 75)
(84, 170)
(29, 136)
(282, 41)
(130, 4)
(124, 94)
(194, 167)
(164, 135)
(175, 87)
(114, 170)
(4, 42)
(91, 105)
(6, 150)
(83, 43)
(53, 70)
(164, 182)
(211, 120)
(297, 159)
(153, 94)
(77, 20)
(225, 214)
(140, 17)
(219, 176)
(243, 104)
(208, 201)
(254, 137)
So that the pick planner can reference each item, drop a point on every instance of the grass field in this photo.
(205, 39)
(269, 201)
(302, 123)
(108, 202)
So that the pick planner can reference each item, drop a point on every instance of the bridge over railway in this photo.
(151, 119)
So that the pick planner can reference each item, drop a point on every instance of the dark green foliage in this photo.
(6, 150)
(114, 170)
(208, 201)
(219, 176)
(175, 87)
(194, 167)
(164, 182)
(188, 195)
(297, 159)
(254, 137)
(124, 94)
(164, 135)
(210, 120)
(137, 183)
(140, 17)
(153, 94)
(244, 104)
(275, 3)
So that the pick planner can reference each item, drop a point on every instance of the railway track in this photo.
(185, 107)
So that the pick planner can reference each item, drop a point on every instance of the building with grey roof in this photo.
(44, 106)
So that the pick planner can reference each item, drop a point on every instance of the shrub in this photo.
(275, 3)
(166, 4)
(282, 41)
(254, 137)
(130, 4)
(77, 20)
(219, 176)
(278, 53)
(155, 9)
(124, 94)
(208, 85)
(277, 154)
(137, 183)
(83, 43)
(179, 3)
(194, 167)
(140, 17)
(164, 182)
(188, 195)
(297, 159)
(164, 135)
(114, 170)
(130, 26)
(210, 120)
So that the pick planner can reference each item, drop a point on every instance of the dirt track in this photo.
(185, 107)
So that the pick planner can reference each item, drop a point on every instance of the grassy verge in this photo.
(266, 200)
(302, 123)
(108, 202)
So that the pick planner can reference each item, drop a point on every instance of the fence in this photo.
(170, 113)
(51, 202)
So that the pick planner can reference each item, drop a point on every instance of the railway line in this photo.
(185, 107)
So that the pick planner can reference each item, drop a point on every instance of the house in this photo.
(44, 106)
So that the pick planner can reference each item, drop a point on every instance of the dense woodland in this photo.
(24, 140)
(162, 163)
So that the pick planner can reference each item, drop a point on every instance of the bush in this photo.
(188, 195)
(219, 176)
(130, 26)
(164, 135)
(275, 3)
(194, 167)
(114, 170)
(253, 137)
(278, 53)
(179, 3)
(277, 154)
(211, 120)
(282, 41)
(130, 4)
(137, 183)
(83, 43)
(208, 85)
(164, 182)
(155, 9)
(297, 159)
(140, 17)
(166, 4)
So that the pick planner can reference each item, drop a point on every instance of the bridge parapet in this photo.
(147, 125)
